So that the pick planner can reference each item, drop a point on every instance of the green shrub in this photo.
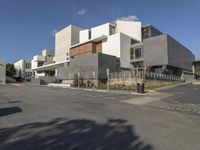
(75, 80)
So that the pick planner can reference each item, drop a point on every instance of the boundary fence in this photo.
(127, 75)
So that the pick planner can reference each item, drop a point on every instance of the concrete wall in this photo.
(86, 65)
(48, 60)
(155, 51)
(164, 50)
(125, 46)
(84, 35)
(2, 72)
(107, 62)
(64, 39)
(100, 30)
(178, 55)
(46, 80)
(111, 45)
(47, 52)
(130, 28)
(118, 45)
(75, 33)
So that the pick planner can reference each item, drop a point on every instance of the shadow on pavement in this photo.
(62, 134)
(9, 111)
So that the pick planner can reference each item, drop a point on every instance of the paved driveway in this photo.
(42, 118)
(185, 99)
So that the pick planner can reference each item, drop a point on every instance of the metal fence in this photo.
(127, 75)
(124, 75)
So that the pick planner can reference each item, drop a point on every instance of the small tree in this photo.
(10, 70)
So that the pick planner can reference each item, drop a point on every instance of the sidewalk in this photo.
(95, 90)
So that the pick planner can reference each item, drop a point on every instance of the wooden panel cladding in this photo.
(98, 47)
(86, 49)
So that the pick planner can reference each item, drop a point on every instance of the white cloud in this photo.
(128, 18)
(82, 12)
(53, 32)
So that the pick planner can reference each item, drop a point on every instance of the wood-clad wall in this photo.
(86, 49)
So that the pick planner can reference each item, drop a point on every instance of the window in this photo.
(138, 53)
(145, 32)
(28, 66)
(132, 53)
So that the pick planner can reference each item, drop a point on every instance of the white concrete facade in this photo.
(116, 41)
(23, 68)
(105, 29)
(64, 39)
(130, 28)
(46, 58)
(118, 45)
(2, 72)
(111, 45)
(84, 35)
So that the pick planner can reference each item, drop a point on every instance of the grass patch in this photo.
(120, 87)
(154, 85)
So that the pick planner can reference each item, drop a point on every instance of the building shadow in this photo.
(9, 111)
(62, 134)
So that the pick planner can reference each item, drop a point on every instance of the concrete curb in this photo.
(196, 83)
(98, 90)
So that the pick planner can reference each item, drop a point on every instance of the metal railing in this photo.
(143, 75)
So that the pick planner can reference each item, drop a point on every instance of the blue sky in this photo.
(27, 26)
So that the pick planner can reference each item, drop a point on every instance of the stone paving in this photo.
(183, 99)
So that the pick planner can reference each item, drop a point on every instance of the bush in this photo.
(81, 82)
(75, 80)
(102, 85)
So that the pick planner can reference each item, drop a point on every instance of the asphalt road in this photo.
(43, 118)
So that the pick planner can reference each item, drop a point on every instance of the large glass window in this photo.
(132, 53)
(138, 53)
(145, 32)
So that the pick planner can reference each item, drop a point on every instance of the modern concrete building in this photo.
(44, 59)
(2, 72)
(23, 68)
(196, 68)
(160, 53)
(64, 39)
(125, 45)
